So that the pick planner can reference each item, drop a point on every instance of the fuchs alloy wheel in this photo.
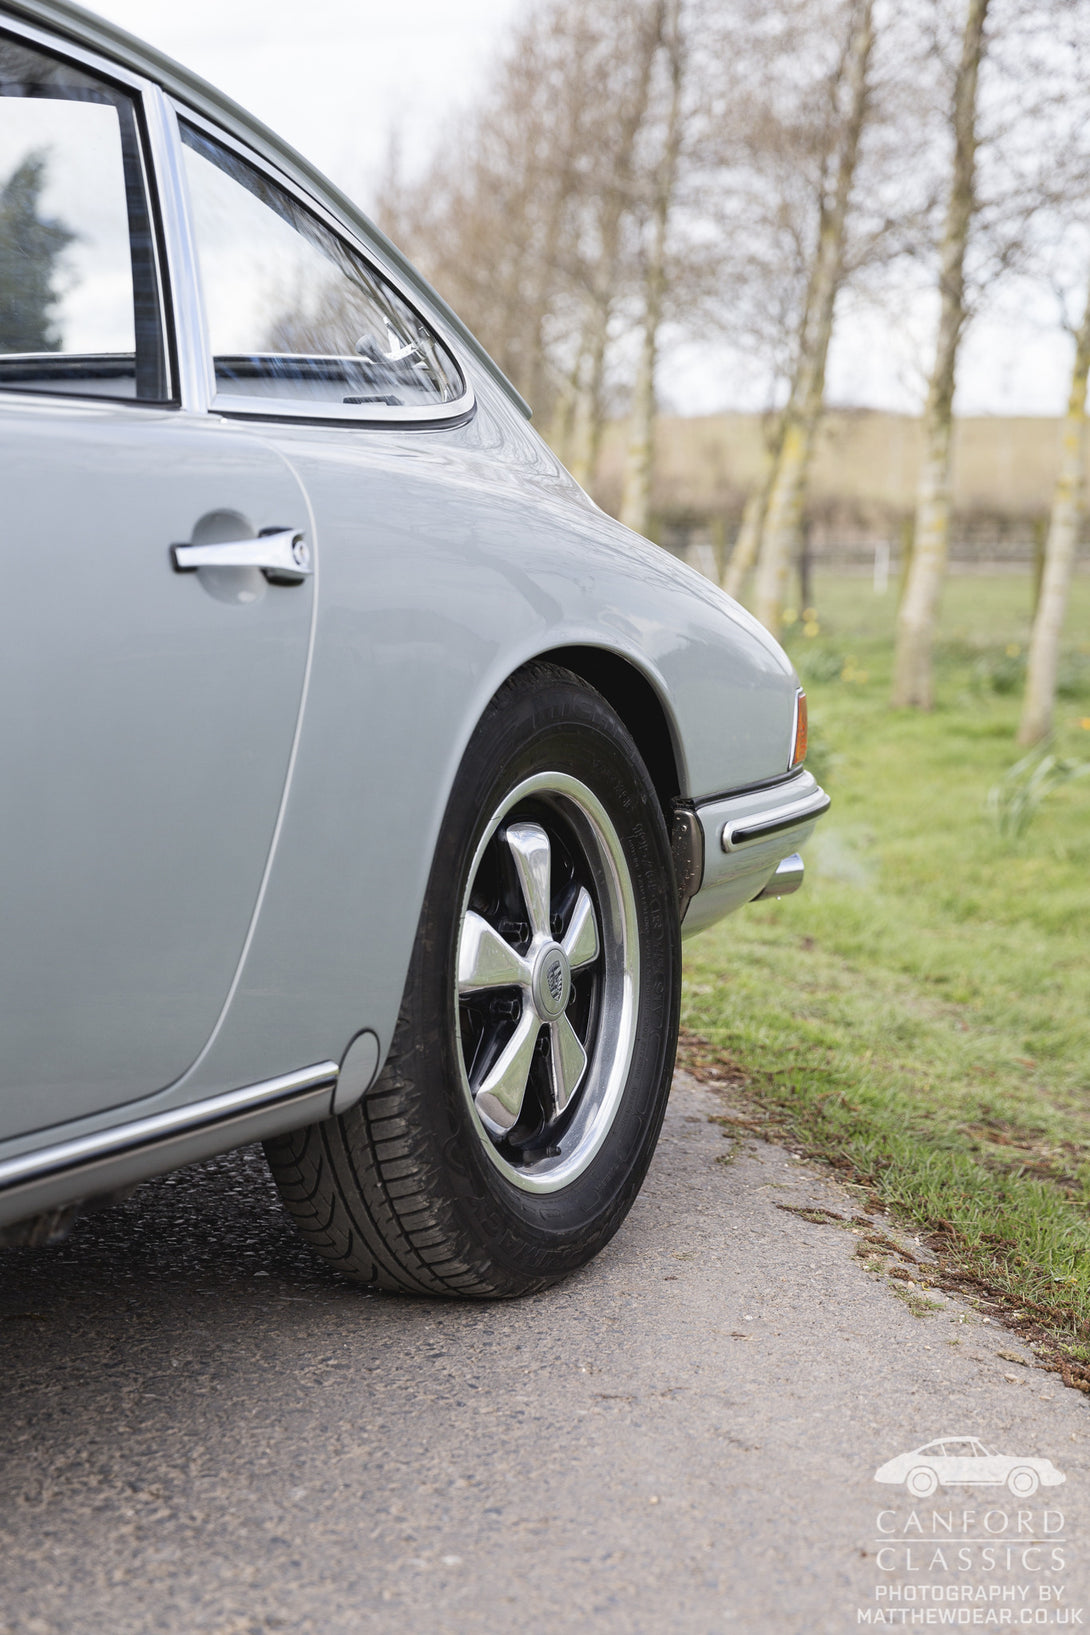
(520, 1103)
(547, 976)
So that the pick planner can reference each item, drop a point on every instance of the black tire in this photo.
(409, 1190)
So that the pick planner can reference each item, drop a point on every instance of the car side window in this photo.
(79, 299)
(295, 316)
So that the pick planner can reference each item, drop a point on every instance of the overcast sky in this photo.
(335, 77)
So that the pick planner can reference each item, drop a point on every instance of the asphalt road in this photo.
(203, 1431)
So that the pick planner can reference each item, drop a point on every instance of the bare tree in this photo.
(783, 513)
(1017, 119)
(645, 170)
(527, 218)
(916, 621)
(609, 202)
(830, 180)
(1060, 550)
(491, 219)
(747, 546)
(636, 496)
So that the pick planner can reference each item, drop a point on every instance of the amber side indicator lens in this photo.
(800, 729)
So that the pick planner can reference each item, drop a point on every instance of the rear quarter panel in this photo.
(446, 559)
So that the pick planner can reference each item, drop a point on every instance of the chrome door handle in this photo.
(282, 554)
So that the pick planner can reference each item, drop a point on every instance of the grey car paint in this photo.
(132, 856)
(465, 566)
(446, 557)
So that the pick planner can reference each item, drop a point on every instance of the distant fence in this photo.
(879, 558)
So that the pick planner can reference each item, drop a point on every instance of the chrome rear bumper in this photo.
(746, 839)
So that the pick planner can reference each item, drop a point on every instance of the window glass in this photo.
(79, 306)
(293, 313)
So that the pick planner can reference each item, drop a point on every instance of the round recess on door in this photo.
(233, 585)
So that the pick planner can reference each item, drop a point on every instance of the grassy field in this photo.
(920, 1013)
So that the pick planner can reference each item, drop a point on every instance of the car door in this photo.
(312, 346)
(149, 713)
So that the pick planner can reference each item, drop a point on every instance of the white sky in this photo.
(335, 77)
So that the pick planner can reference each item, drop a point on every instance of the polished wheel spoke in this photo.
(547, 981)
(485, 960)
(501, 1094)
(580, 941)
(567, 1063)
(532, 854)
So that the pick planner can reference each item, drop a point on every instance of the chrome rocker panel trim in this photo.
(113, 1160)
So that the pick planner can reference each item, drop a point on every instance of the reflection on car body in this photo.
(365, 775)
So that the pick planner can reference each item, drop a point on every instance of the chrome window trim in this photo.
(298, 410)
(141, 1132)
(195, 384)
(143, 92)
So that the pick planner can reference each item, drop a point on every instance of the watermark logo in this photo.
(960, 1562)
(956, 1461)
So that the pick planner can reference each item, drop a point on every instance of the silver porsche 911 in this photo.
(360, 777)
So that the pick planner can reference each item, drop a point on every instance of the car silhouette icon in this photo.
(955, 1460)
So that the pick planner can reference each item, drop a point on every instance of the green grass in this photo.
(920, 1012)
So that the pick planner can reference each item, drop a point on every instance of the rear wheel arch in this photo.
(628, 691)
(411, 1188)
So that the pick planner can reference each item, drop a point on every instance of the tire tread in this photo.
(364, 1189)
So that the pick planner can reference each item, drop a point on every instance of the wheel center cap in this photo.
(552, 982)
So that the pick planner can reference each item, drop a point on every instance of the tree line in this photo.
(646, 174)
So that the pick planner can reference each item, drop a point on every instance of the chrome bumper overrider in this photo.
(750, 846)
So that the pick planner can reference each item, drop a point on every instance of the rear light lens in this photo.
(798, 754)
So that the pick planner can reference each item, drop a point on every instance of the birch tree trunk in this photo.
(918, 613)
(783, 518)
(636, 492)
(586, 430)
(1060, 551)
(748, 543)
(586, 419)
(559, 433)
(747, 546)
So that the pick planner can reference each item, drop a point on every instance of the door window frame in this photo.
(142, 93)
